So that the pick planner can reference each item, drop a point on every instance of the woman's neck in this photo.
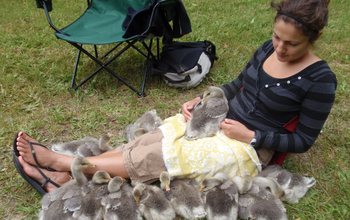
(280, 70)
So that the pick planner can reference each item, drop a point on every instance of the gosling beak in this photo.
(167, 187)
(123, 180)
(91, 165)
(201, 189)
(137, 201)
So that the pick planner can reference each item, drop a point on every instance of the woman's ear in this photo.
(318, 36)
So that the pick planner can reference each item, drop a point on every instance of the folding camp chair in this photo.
(124, 22)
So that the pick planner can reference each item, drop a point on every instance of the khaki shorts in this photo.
(143, 158)
(265, 156)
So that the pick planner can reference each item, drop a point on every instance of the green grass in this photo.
(36, 70)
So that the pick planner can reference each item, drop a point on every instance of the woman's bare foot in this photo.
(44, 156)
(58, 177)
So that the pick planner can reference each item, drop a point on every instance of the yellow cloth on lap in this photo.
(202, 158)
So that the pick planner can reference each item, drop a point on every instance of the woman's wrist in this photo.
(251, 137)
(255, 141)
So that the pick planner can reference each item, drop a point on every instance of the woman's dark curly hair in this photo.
(312, 13)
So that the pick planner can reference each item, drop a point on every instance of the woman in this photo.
(284, 80)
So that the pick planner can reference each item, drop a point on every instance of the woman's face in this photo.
(289, 42)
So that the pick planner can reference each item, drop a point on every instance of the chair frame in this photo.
(150, 57)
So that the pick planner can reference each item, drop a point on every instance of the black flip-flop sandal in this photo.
(15, 146)
(33, 183)
(33, 152)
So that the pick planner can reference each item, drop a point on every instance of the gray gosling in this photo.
(119, 204)
(220, 196)
(91, 207)
(243, 183)
(207, 114)
(152, 202)
(62, 202)
(271, 185)
(262, 201)
(85, 147)
(70, 148)
(149, 121)
(295, 185)
(95, 150)
(184, 196)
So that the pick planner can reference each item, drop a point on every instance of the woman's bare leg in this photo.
(111, 162)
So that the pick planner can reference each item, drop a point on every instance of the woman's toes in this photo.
(22, 135)
(23, 138)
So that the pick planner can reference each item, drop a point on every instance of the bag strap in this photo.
(211, 51)
(186, 79)
(206, 45)
(178, 45)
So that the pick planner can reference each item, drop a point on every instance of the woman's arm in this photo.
(314, 111)
(232, 88)
(236, 130)
(318, 93)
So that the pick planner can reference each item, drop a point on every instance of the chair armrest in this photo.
(47, 6)
(48, 3)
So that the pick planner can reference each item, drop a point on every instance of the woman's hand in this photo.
(236, 130)
(188, 106)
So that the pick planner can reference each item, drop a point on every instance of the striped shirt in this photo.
(308, 94)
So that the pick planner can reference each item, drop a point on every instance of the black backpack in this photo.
(185, 64)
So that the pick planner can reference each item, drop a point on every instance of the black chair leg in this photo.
(142, 93)
(104, 66)
(150, 58)
(76, 68)
(111, 50)
(96, 54)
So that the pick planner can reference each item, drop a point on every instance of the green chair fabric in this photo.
(102, 22)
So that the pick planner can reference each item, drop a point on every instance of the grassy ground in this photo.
(36, 69)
